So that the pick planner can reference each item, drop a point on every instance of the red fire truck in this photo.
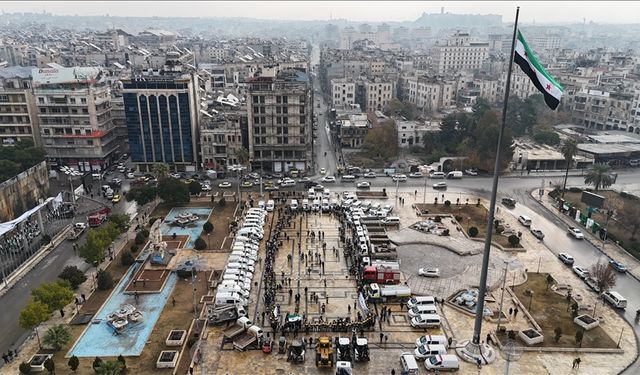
(381, 274)
(99, 217)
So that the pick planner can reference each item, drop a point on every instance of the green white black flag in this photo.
(524, 57)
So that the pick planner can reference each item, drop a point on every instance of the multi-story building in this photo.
(162, 117)
(378, 94)
(119, 123)
(459, 52)
(74, 113)
(18, 119)
(279, 111)
(222, 134)
(351, 126)
(412, 133)
(603, 109)
(428, 93)
(343, 92)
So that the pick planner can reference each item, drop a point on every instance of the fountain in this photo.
(467, 300)
(185, 218)
(125, 317)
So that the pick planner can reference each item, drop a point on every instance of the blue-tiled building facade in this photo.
(159, 122)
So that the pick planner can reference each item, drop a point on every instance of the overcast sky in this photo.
(530, 11)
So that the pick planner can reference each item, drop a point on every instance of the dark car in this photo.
(617, 266)
(509, 202)
(310, 184)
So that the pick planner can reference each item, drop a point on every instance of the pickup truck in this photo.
(241, 325)
(78, 228)
(252, 335)
(222, 314)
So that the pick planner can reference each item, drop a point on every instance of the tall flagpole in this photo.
(474, 346)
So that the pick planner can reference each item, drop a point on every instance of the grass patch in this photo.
(550, 311)
(472, 216)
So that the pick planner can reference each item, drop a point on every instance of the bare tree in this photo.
(604, 275)
(630, 216)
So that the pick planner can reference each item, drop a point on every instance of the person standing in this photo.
(515, 313)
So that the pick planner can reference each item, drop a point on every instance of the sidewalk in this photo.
(610, 249)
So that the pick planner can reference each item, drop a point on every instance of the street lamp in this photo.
(71, 173)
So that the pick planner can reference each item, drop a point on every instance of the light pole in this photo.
(397, 186)
(71, 173)
(504, 282)
(424, 195)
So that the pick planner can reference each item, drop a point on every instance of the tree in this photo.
(142, 195)
(73, 363)
(109, 368)
(569, 150)
(513, 240)
(34, 313)
(485, 142)
(127, 258)
(105, 280)
(55, 295)
(121, 221)
(604, 275)
(599, 176)
(405, 109)
(25, 368)
(557, 334)
(160, 170)
(195, 188)
(73, 275)
(173, 192)
(57, 337)
(140, 238)
(480, 107)
(123, 362)
(549, 281)
(207, 227)
(473, 231)
(243, 156)
(381, 143)
(550, 138)
(50, 366)
(98, 239)
(96, 363)
(579, 336)
(200, 244)
(629, 215)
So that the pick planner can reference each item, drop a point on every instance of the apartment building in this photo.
(378, 94)
(18, 119)
(74, 113)
(604, 108)
(343, 92)
(162, 117)
(222, 135)
(459, 52)
(429, 93)
(279, 109)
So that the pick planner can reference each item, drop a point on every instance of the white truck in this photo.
(252, 335)
(77, 230)
(385, 292)
(221, 314)
(242, 324)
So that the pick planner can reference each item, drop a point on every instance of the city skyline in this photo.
(539, 12)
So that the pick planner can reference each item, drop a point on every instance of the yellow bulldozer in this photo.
(324, 352)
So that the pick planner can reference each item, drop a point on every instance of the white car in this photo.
(363, 185)
(440, 185)
(328, 179)
(566, 258)
(370, 175)
(206, 187)
(399, 177)
(429, 272)
(130, 175)
(471, 172)
(224, 185)
(416, 175)
(323, 170)
(582, 273)
(576, 233)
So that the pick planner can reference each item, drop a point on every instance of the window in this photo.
(41, 100)
(83, 100)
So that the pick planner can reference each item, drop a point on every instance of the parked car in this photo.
(593, 284)
(581, 272)
(429, 272)
(617, 266)
(509, 202)
(566, 258)
(205, 187)
(440, 185)
(537, 233)
(576, 233)
(363, 185)
(224, 185)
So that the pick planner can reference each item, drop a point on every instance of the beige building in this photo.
(343, 92)
(459, 52)
(430, 94)
(221, 138)
(603, 110)
(18, 119)
(378, 94)
(74, 111)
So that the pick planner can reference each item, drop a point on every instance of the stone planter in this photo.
(531, 336)
(167, 359)
(37, 362)
(176, 337)
(586, 321)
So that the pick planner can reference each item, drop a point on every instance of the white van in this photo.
(305, 205)
(432, 340)
(244, 253)
(233, 284)
(261, 204)
(326, 194)
(237, 278)
(454, 174)
(270, 205)
(312, 194)
(615, 299)
(325, 205)
(524, 220)
(423, 300)
(409, 364)
(348, 178)
(294, 204)
(246, 247)
(424, 351)
(241, 263)
(426, 321)
(437, 175)
(234, 289)
(448, 362)
(316, 204)
(229, 298)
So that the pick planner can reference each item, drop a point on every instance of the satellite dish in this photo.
(510, 352)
